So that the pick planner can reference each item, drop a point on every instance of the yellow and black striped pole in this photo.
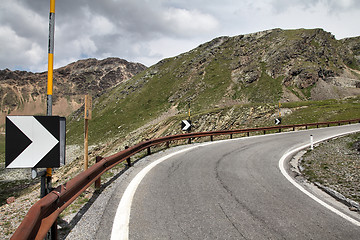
(50, 79)
(50, 57)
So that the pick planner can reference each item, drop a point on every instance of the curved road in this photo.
(231, 189)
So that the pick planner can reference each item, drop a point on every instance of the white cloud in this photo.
(189, 23)
(102, 26)
(148, 31)
(19, 51)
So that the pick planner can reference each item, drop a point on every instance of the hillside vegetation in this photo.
(241, 78)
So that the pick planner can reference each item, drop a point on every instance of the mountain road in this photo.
(230, 189)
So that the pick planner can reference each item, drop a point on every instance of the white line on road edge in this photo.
(290, 179)
(120, 229)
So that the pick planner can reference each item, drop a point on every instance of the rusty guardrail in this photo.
(43, 214)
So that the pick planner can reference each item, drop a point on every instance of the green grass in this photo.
(265, 90)
(322, 111)
(352, 63)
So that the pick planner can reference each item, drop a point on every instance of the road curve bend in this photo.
(231, 189)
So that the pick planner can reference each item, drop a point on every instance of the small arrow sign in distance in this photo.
(186, 125)
(278, 121)
(30, 141)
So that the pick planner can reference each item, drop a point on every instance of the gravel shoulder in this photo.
(334, 165)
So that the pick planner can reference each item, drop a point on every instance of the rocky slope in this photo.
(265, 67)
(25, 92)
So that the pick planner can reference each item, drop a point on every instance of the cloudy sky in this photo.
(147, 31)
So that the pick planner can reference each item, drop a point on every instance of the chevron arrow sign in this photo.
(186, 125)
(278, 121)
(34, 141)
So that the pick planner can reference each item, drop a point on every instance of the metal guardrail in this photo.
(44, 213)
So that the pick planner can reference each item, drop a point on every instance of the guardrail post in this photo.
(248, 134)
(279, 130)
(128, 160)
(148, 151)
(167, 144)
(264, 132)
(211, 138)
(294, 129)
(231, 136)
(54, 231)
(306, 126)
(98, 181)
(189, 140)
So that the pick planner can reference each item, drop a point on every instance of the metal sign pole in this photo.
(50, 80)
(50, 57)
(53, 230)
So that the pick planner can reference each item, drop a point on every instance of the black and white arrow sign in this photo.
(278, 121)
(32, 142)
(186, 125)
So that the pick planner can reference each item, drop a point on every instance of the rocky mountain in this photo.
(259, 68)
(24, 92)
(287, 65)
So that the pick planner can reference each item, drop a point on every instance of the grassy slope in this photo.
(322, 111)
(151, 93)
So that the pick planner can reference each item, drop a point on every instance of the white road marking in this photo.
(120, 229)
(290, 179)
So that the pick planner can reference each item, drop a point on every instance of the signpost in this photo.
(186, 124)
(278, 120)
(87, 116)
(38, 141)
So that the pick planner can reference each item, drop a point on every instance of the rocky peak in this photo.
(24, 92)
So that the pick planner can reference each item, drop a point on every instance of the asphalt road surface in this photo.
(231, 189)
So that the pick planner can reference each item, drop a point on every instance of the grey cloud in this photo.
(135, 29)
(333, 6)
